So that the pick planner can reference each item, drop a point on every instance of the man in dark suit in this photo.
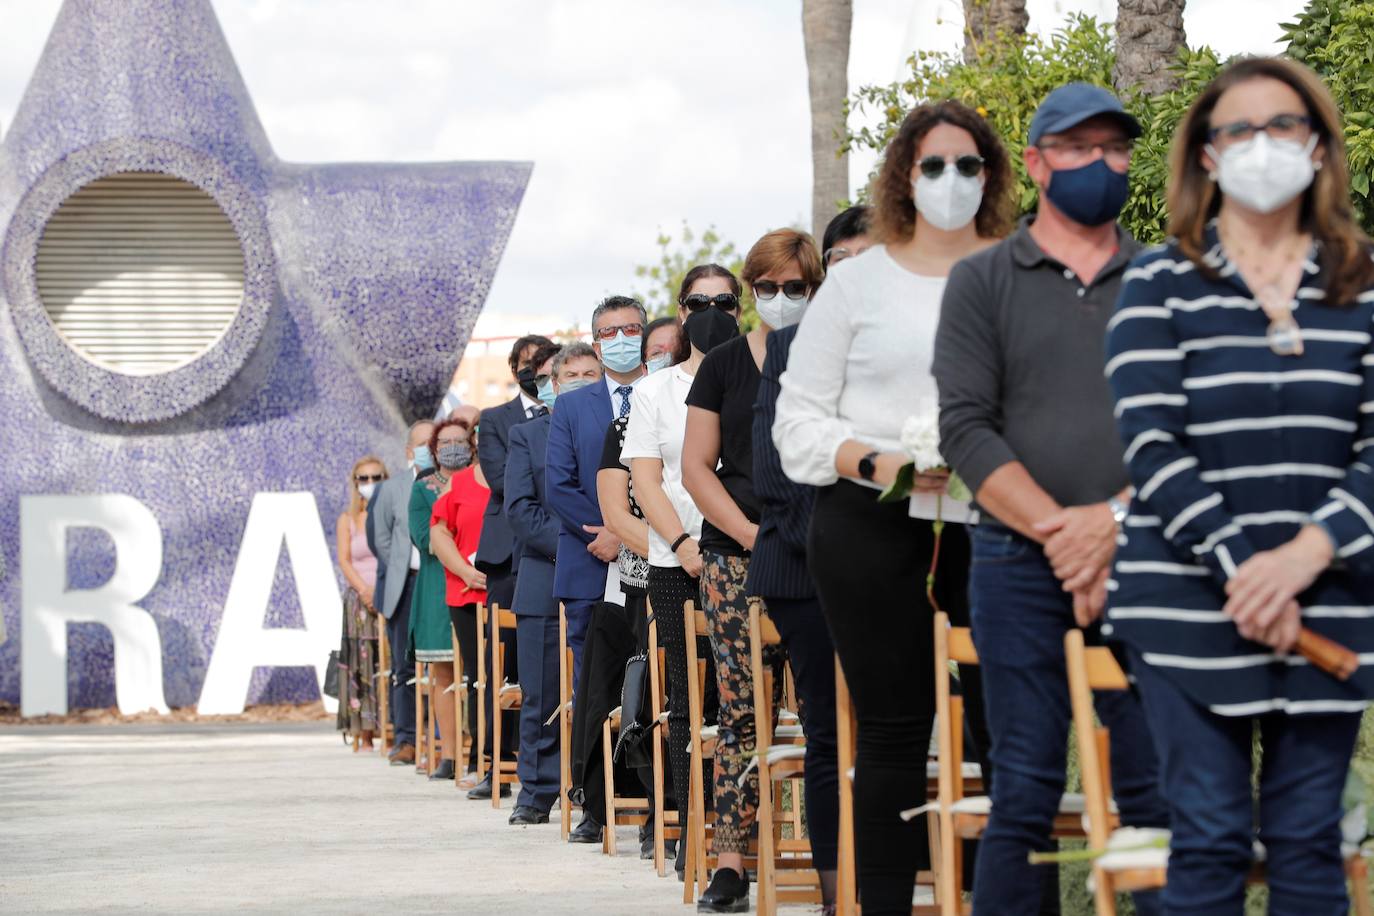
(577, 435)
(536, 533)
(495, 554)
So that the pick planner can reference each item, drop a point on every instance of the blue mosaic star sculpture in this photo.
(361, 286)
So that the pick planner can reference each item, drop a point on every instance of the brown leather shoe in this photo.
(405, 756)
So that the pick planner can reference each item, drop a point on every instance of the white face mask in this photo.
(949, 202)
(366, 490)
(780, 311)
(1262, 174)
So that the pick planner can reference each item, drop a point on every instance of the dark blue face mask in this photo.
(1089, 195)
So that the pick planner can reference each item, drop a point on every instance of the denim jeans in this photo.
(1020, 614)
(1205, 762)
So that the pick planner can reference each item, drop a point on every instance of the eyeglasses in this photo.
(1116, 152)
(1279, 127)
(967, 165)
(368, 478)
(792, 289)
(726, 302)
(834, 256)
(610, 332)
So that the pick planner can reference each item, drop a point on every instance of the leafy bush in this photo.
(679, 255)
(1333, 38)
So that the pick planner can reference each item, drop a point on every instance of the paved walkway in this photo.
(276, 818)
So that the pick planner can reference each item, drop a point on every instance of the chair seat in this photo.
(788, 731)
(981, 805)
(1131, 849)
(968, 770)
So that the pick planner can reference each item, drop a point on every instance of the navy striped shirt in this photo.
(1233, 448)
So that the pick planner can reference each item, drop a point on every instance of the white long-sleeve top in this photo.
(860, 365)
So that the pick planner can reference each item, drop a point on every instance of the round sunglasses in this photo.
(967, 165)
(726, 302)
(792, 289)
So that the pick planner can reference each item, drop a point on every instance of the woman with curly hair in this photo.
(860, 365)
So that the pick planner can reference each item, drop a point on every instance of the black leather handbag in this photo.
(636, 714)
(331, 675)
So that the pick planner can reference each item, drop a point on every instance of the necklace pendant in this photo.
(1285, 337)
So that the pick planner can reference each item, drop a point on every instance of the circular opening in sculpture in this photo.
(140, 273)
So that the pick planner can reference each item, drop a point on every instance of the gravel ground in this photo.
(202, 818)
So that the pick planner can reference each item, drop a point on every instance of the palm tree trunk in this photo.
(825, 29)
(985, 20)
(1149, 34)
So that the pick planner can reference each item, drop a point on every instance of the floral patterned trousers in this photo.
(726, 604)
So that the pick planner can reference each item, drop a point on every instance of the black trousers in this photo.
(402, 666)
(805, 636)
(869, 562)
(669, 589)
(464, 621)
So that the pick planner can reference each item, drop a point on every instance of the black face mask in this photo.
(709, 328)
(526, 379)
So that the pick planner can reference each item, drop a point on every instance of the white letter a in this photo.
(243, 642)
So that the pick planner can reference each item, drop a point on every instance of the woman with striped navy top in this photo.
(1241, 363)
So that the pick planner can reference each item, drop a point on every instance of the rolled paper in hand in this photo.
(1332, 657)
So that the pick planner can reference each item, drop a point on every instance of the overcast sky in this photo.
(638, 114)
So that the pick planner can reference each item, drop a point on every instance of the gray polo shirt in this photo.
(1019, 356)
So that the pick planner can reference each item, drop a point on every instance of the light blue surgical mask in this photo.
(622, 354)
(661, 361)
(575, 384)
(546, 393)
(424, 461)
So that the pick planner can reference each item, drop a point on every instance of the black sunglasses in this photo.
(368, 478)
(726, 302)
(967, 165)
(792, 289)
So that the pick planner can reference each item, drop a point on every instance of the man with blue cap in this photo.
(1026, 421)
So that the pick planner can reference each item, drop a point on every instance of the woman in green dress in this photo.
(430, 640)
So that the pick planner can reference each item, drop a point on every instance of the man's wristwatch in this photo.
(1119, 510)
(866, 466)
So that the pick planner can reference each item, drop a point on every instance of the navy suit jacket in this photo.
(576, 436)
(536, 529)
(778, 567)
(493, 446)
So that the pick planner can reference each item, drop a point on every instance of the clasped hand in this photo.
(1261, 597)
(1079, 544)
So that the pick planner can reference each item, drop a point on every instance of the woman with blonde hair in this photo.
(358, 660)
(1241, 363)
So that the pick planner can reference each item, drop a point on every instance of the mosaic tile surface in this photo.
(361, 288)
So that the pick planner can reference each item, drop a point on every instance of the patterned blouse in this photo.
(634, 569)
(1232, 449)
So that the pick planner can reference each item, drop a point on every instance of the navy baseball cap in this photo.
(1072, 104)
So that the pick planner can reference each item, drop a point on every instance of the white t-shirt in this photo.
(859, 366)
(658, 423)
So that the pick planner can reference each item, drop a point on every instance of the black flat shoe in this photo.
(727, 893)
(589, 831)
(524, 815)
(443, 771)
(483, 790)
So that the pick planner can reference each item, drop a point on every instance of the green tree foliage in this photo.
(1333, 37)
(1010, 78)
(677, 255)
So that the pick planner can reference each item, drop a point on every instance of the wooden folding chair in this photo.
(565, 713)
(459, 689)
(506, 698)
(667, 824)
(382, 684)
(700, 738)
(620, 809)
(846, 734)
(481, 688)
(958, 816)
(426, 747)
(785, 869)
(1124, 866)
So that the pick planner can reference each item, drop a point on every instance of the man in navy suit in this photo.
(536, 530)
(495, 554)
(577, 435)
